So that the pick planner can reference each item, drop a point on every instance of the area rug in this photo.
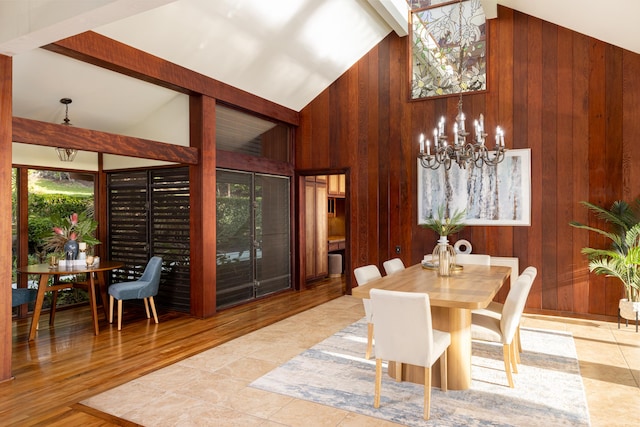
(548, 388)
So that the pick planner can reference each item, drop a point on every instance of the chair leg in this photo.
(376, 398)
(119, 314)
(367, 355)
(514, 357)
(146, 307)
(516, 345)
(443, 371)
(427, 393)
(506, 350)
(153, 309)
(519, 342)
(110, 308)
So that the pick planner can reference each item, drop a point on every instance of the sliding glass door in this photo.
(253, 236)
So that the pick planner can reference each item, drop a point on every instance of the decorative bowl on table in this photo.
(430, 265)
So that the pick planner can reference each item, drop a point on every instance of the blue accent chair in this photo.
(144, 288)
(22, 296)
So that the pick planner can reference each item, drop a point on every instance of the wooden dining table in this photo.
(452, 299)
(95, 276)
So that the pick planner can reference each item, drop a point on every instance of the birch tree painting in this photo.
(490, 195)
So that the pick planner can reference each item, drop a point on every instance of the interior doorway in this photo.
(326, 224)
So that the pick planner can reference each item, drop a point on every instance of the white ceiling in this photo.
(286, 51)
(614, 21)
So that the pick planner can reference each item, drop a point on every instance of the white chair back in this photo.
(512, 262)
(363, 275)
(393, 265)
(402, 325)
(514, 304)
(477, 259)
(366, 274)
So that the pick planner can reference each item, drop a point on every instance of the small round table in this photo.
(95, 274)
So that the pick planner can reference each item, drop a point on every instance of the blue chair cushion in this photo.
(130, 290)
(22, 296)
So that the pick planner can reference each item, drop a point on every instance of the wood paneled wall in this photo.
(6, 75)
(571, 99)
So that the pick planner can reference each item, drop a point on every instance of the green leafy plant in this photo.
(444, 225)
(622, 258)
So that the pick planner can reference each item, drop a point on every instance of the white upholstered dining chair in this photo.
(393, 265)
(476, 259)
(495, 308)
(503, 327)
(404, 334)
(363, 275)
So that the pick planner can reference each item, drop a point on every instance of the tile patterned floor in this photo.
(609, 363)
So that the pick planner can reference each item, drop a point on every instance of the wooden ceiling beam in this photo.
(35, 132)
(107, 53)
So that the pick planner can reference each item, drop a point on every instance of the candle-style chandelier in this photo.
(461, 151)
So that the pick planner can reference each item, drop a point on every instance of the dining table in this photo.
(96, 281)
(452, 299)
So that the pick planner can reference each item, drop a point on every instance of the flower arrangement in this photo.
(78, 227)
(446, 225)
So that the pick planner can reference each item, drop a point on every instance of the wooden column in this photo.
(22, 238)
(202, 124)
(6, 113)
(100, 209)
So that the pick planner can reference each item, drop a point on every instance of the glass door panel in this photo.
(253, 236)
(273, 272)
(234, 241)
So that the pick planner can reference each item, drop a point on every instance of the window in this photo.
(448, 49)
(239, 132)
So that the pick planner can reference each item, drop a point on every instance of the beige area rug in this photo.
(291, 374)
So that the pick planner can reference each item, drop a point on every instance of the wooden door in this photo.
(316, 247)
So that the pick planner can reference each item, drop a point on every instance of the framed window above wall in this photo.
(448, 49)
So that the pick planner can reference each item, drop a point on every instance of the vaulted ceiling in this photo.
(286, 51)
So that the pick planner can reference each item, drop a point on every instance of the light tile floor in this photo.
(609, 363)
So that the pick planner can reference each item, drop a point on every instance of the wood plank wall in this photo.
(573, 100)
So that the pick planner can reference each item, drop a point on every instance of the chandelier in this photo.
(66, 154)
(465, 148)
(460, 150)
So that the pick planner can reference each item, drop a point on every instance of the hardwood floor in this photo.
(68, 363)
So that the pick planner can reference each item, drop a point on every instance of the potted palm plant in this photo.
(445, 225)
(622, 258)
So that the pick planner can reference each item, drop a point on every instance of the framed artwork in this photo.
(490, 195)
(448, 49)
